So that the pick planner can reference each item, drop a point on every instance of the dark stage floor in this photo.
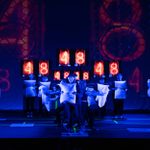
(134, 130)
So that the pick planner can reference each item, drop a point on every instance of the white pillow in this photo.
(29, 82)
(47, 84)
(104, 89)
(67, 92)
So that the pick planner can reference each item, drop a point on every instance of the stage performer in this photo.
(68, 101)
(119, 96)
(30, 94)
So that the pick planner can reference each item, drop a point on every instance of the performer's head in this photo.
(119, 76)
(31, 76)
(44, 78)
(55, 87)
(72, 77)
(102, 79)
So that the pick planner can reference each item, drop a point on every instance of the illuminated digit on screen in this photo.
(44, 67)
(80, 57)
(28, 67)
(85, 75)
(114, 68)
(140, 42)
(23, 17)
(4, 80)
(126, 26)
(66, 74)
(78, 75)
(134, 16)
(99, 68)
(57, 75)
(135, 79)
(64, 57)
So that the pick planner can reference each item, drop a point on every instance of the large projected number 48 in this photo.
(122, 40)
(20, 33)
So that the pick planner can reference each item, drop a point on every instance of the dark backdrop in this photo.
(71, 24)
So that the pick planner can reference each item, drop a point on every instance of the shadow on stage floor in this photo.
(17, 131)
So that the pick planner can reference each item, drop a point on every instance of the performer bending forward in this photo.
(68, 101)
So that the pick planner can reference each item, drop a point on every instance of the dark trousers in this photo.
(40, 105)
(118, 107)
(29, 101)
(69, 112)
(60, 113)
(92, 111)
(82, 109)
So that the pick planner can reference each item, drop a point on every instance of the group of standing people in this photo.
(80, 102)
(76, 101)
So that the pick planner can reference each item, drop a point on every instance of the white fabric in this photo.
(120, 89)
(29, 83)
(30, 89)
(91, 100)
(67, 92)
(91, 93)
(43, 85)
(43, 92)
(47, 84)
(46, 101)
(104, 90)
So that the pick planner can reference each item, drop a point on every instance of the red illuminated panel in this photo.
(57, 75)
(85, 75)
(44, 67)
(80, 57)
(114, 68)
(78, 75)
(66, 74)
(28, 67)
(64, 57)
(99, 68)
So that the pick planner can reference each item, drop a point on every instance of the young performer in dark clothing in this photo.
(30, 94)
(68, 100)
(93, 107)
(82, 105)
(103, 88)
(119, 96)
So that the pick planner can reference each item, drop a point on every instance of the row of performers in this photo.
(76, 102)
